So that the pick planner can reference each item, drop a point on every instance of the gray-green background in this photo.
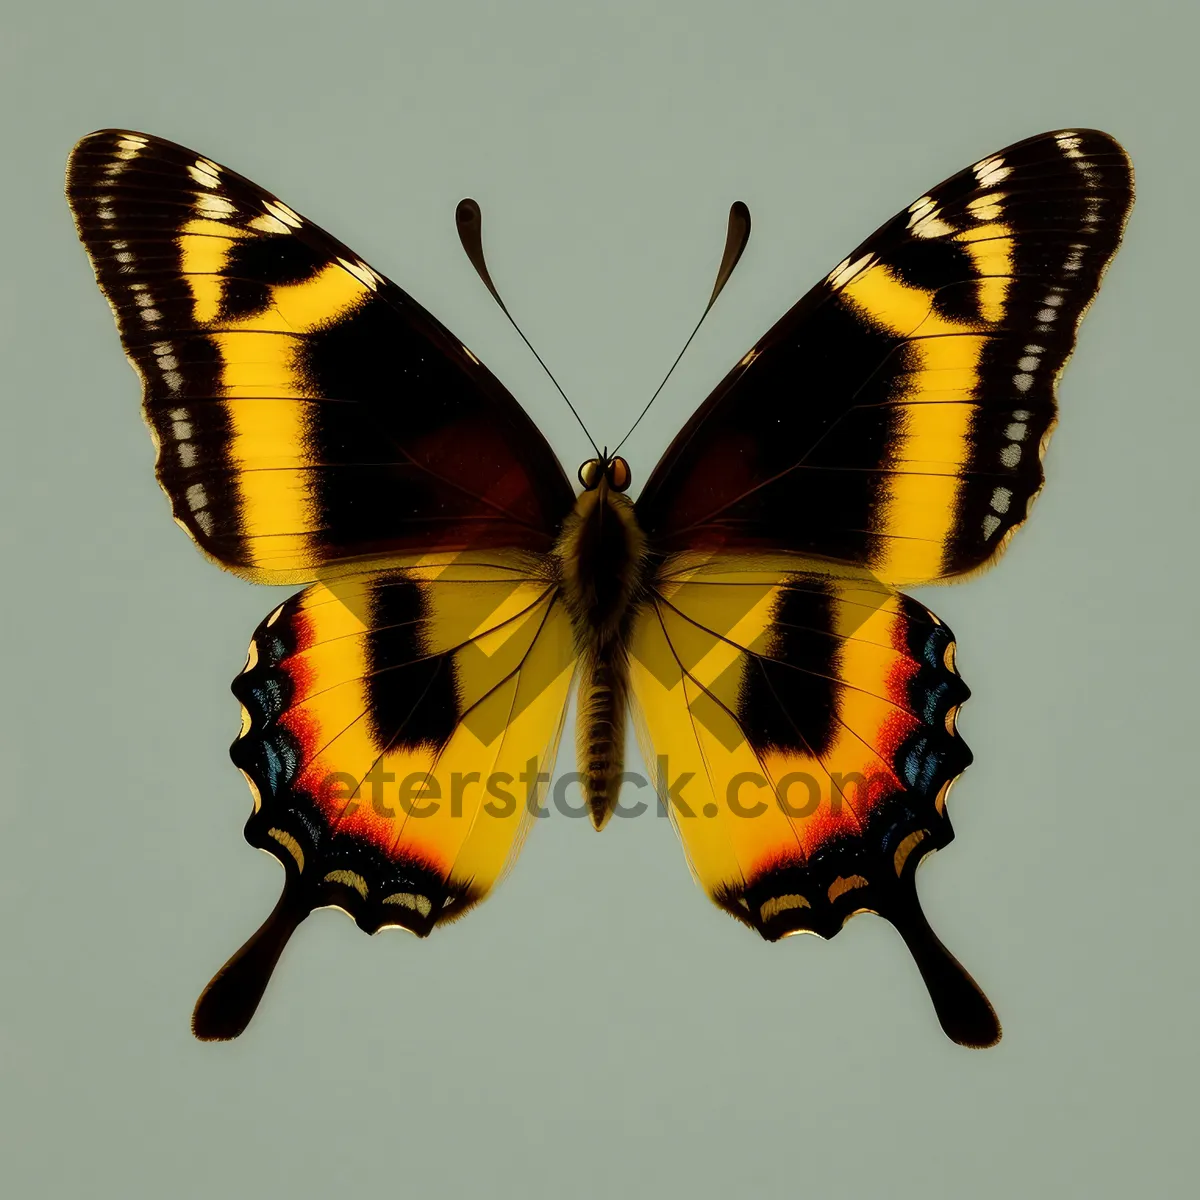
(597, 1029)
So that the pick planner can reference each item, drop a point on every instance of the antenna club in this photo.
(469, 219)
(736, 237)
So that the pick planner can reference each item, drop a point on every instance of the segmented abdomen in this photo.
(600, 732)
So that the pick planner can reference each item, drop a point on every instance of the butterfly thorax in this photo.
(602, 555)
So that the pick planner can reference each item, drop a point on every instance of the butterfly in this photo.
(401, 713)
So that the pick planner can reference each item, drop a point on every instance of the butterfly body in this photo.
(400, 715)
(603, 557)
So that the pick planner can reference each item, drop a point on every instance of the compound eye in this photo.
(619, 475)
(589, 474)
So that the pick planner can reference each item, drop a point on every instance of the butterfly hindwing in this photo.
(307, 411)
(803, 725)
(398, 732)
(832, 696)
(896, 417)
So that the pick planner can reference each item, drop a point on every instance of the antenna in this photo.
(469, 219)
(736, 238)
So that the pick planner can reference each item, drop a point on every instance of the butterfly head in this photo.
(615, 470)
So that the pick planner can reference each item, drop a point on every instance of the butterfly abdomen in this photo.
(600, 731)
(602, 554)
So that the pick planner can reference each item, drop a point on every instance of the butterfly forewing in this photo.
(308, 412)
(896, 417)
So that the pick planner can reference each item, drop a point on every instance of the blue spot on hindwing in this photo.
(934, 697)
(930, 769)
(914, 760)
(272, 768)
(268, 696)
(279, 762)
(935, 646)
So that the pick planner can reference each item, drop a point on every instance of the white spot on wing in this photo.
(1000, 499)
(361, 272)
(1074, 258)
(204, 173)
(847, 270)
(991, 171)
(213, 206)
(990, 525)
(268, 224)
(128, 148)
(277, 208)
(1010, 455)
(932, 226)
(986, 208)
(924, 221)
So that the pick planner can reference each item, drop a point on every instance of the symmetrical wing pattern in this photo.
(400, 717)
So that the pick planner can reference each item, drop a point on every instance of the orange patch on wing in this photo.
(897, 679)
(305, 727)
(892, 734)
